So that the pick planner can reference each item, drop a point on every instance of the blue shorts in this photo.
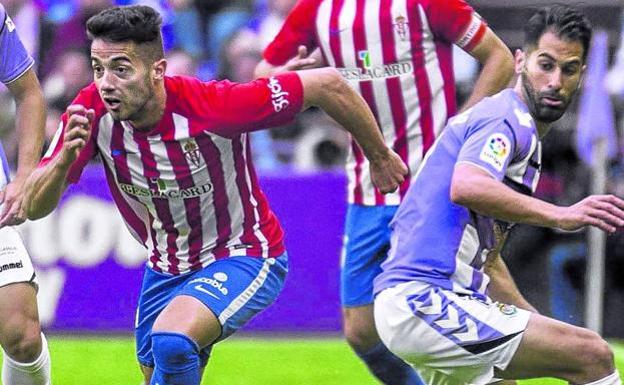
(366, 244)
(235, 289)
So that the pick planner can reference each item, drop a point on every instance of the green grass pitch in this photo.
(237, 361)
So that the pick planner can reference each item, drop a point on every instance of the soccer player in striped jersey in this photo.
(176, 155)
(397, 55)
(26, 357)
(434, 303)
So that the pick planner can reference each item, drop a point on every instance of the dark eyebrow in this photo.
(576, 61)
(115, 59)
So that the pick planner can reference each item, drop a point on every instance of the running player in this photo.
(178, 165)
(434, 299)
(26, 357)
(397, 55)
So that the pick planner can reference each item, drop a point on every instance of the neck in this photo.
(152, 111)
(542, 127)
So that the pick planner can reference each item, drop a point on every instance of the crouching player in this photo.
(178, 164)
(434, 299)
(26, 358)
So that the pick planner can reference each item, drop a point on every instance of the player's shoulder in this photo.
(505, 106)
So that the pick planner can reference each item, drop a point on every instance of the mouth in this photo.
(112, 104)
(552, 101)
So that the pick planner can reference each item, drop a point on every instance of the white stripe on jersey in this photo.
(54, 142)
(249, 292)
(322, 29)
(516, 171)
(468, 247)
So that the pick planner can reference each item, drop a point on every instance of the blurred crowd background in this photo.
(214, 39)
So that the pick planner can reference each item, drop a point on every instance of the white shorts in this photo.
(15, 264)
(449, 338)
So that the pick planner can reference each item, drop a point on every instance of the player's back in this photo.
(437, 241)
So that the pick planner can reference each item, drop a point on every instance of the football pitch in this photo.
(237, 361)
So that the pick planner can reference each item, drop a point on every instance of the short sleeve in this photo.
(229, 109)
(490, 146)
(15, 61)
(86, 154)
(298, 29)
(456, 22)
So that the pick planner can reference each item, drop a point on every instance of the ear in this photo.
(519, 61)
(159, 68)
(582, 77)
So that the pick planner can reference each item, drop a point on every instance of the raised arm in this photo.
(46, 185)
(476, 189)
(301, 61)
(29, 122)
(325, 88)
(497, 68)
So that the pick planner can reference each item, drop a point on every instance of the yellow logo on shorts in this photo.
(507, 309)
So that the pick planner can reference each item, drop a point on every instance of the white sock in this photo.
(612, 379)
(32, 373)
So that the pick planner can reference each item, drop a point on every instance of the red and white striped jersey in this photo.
(187, 189)
(397, 55)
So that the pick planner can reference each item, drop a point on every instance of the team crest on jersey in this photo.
(400, 26)
(496, 150)
(10, 25)
(507, 309)
(191, 152)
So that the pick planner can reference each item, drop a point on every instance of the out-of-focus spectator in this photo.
(35, 29)
(186, 24)
(72, 35)
(71, 73)
(180, 62)
(323, 144)
(272, 21)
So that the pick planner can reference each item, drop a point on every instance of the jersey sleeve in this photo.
(229, 109)
(455, 21)
(490, 146)
(15, 61)
(298, 29)
(86, 154)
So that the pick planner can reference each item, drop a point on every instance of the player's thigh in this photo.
(224, 296)
(551, 348)
(365, 247)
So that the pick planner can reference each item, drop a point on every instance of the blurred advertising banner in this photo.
(90, 268)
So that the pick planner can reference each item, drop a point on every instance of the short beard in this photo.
(539, 111)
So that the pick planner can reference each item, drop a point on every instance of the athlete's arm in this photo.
(46, 185)
(476, 189)
(502, 287)
(325, 88)
(301, 61)
(497, 67)
(29, 122)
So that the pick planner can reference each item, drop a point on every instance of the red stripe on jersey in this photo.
(421, 76)
(163, 211)
(397, 105)
(249, 220)
(220, 197)
(123, 176)
(269, 225)
(445, 58)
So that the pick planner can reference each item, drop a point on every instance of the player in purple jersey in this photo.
(177, 160)
(435, 299)
(26, 357)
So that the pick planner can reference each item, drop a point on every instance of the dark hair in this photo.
(564, 21)
(137, 23)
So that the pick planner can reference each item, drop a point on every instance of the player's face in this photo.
(122, 79)
(550, 75)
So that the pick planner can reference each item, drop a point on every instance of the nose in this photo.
(555, 82)
(106, 82)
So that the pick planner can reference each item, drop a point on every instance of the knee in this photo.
(360, 336)
(21, 340)
(597, 356)
(174, 352)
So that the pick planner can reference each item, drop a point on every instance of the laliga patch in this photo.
(496, 151)
(507, 309)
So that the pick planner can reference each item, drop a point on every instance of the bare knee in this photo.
(596, 356)
(359, 330)
(21, 340)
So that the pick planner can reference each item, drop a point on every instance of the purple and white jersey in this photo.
(439, 242)
(14, 62)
